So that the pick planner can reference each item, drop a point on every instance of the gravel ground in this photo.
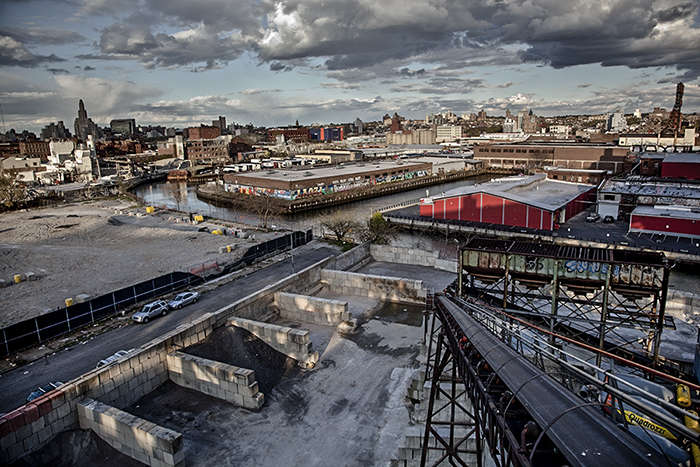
(96, 247)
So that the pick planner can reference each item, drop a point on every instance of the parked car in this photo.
(113, 358)
(151, 310)
(609, 220)
(593, 217)
(41, 390)
(183, 299)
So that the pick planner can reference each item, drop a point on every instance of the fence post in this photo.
(92, 317)
(114, 303)
(67, 319)
(38, 334)
(7, 344)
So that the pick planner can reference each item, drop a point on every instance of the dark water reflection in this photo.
(184, 198)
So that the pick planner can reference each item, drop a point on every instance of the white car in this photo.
(182, 299)
(113, 358)
(151, 310)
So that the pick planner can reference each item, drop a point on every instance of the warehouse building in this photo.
(618, 197)
(678, 221)
(534, 202)
(681, 165)
(565, 155)
(295, 184)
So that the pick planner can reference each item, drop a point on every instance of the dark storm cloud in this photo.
(634, 33)
(199, 44)
(36, 35)
(15, 53)
(361, 34)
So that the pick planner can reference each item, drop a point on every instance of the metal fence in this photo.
(292, 240)
(34, 331)
(37, 330)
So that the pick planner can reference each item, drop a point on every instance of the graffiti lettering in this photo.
(533, 263)
(574, 265)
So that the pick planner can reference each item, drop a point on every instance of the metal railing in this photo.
(570, 367)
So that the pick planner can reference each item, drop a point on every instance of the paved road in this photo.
(67, 364)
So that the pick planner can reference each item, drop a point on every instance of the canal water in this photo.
(184, 198)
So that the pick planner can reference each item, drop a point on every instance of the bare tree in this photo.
(12, 193)
(341, 226)
(264, 206)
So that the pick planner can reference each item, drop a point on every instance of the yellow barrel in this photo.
(228, 248)
(17, 278)
(69, 301)
(683, 395)
(199, 218)
(150, 209)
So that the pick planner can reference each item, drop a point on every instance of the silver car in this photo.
(113, 358)
(182, 299)
(153, 309)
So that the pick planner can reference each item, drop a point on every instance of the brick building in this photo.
(293, 134)
(207, 150)
(35, 148)
(203, 132)
(539, 155)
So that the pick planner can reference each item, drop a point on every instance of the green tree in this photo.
(378, 230)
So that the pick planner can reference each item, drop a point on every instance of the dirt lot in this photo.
(93, 248)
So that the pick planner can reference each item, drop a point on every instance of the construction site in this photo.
(512, 353)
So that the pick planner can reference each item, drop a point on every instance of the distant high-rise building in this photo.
(637, 113)
(616, 122)
(527, 122)
(481, 116)
(55, 131)
(510, 125)
(395, 123)
(220, 123)
(84, 126)
(359, 126)
(123, 126)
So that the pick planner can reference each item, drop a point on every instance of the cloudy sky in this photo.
(270, 62)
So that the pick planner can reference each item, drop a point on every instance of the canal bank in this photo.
(215, 193)
(181, 197)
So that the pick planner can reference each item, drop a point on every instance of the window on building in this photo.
(609, 197)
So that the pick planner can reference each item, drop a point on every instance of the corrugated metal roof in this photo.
(683, 157)
(535, 190)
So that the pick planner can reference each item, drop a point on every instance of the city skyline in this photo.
(271, 63)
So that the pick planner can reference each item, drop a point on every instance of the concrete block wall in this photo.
(393, 289)
(135, 437)
(120, 384)
(227, 382)
(402, 255)
(351, 257)
(292, 342)
(31, 426)
(310, 309)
